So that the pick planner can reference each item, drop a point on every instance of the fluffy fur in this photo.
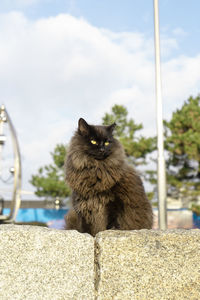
(107, 193)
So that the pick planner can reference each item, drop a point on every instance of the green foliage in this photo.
(59, 155)
(182, 142)
(136, 147)
(49, 181)
(150, 196)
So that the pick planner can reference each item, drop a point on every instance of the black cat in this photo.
(107, 192)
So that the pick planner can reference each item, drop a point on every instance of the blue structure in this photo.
(196, 220)
(48, 216)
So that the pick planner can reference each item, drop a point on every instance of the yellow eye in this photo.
(106, 143)
(93, 142)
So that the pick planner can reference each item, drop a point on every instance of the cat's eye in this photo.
(93, 142)
(106, 143)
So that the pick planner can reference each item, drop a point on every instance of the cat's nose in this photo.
(102, 149)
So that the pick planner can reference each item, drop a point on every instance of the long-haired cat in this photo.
(107, 193)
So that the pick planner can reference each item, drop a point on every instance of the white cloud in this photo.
(181, 79)
(57, 69)
(168, 45)
(178, 31)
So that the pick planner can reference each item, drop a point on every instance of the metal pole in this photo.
(16, 198)
(16, 201)
(1, 133)
(160, 143)
(2, 141)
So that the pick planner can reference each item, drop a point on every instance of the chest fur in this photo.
(91, 181)
(94, 207)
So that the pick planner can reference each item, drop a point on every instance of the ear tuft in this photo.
(111, 127)
(83, 127)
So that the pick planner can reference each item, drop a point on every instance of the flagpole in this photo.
(161, 175)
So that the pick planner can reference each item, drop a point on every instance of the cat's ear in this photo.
(111, 127)
(83, 127)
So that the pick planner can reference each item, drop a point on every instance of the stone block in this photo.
(40, 263)
(148, 265)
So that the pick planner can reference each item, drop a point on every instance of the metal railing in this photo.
(16, 195)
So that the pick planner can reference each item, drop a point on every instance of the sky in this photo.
(65, 59)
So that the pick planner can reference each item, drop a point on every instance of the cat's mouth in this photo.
(98, 155)
(101, 156)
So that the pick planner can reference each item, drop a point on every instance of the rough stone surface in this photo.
(40, 263)
(148, 265)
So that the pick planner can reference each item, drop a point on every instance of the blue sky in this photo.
(61, 60)
(121, 16)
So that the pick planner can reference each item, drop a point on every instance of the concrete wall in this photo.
(41, 263)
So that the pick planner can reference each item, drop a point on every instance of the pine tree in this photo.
(182, 143)
(136, 147)
(49, 182)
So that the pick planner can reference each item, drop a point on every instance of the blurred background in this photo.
(65, 59)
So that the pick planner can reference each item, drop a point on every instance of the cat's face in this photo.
(98, 140)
